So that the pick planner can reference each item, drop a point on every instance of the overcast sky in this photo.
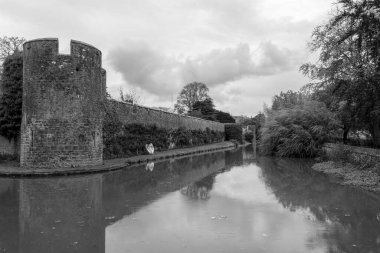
(245, 51)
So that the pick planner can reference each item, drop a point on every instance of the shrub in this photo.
(124, 140)
(234, 132)
(248, 136)
(11, 100)
(299, 131)
(8, 157)
(133, 137)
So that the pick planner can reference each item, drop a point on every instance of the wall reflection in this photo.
(222, 192)
(71, 214)
(61, 215)
(9, 215)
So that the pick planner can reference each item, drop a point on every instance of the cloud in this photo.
(159, 74)
(240, 48)
(248, 95)
(142, 66)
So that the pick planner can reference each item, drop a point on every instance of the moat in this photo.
(229, 201)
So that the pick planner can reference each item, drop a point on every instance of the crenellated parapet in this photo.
(62, 99)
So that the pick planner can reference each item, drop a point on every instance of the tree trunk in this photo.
(345, 134)
(376, 133)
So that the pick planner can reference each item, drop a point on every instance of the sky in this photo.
(245, 51)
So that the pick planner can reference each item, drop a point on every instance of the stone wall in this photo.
(62, 98)
(360, 155)
(62, 114)
(130, 114)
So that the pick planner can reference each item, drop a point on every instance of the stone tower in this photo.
(62, 105)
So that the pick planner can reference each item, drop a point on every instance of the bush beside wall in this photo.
(248, 136)
(234, 132)
(122, 139)
(132, 138)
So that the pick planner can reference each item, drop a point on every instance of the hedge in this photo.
(234, 132)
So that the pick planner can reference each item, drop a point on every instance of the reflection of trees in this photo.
(351, 214)
(249, 154)
(200, 189)
(234, 157)
(195, 192)
(137, 187)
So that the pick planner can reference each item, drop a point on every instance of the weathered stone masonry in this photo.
(130, 114)
(62, 96)
(62, 114)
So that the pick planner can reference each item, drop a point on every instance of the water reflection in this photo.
(9, 220)
(350, 216)
(200, 189)
(150, 166)
(61, 215)
(226, 201)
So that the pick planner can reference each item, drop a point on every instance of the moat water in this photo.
(228, 201)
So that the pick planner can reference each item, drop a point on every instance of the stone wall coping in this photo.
(84, 44)
(158, 110)
(57, 40)
(41, 39)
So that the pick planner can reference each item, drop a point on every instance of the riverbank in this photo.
(12, 170)
(351, 175)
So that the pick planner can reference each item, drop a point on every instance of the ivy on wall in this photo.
(124, 140)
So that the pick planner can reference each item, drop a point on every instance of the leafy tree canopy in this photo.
(8, 47)
(130, 96)
(11, 99)
(206, 107)
(287, 100)
(299, 131)
(224, 117)
(189, 95)
(347, 72)
(206, 110)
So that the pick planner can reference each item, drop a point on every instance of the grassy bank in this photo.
(352, 175)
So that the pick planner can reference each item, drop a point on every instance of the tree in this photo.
(299, 131)
(9, 46)
(189, 95)
(259, 121)
(11, 100)
(206, 108)
(343, 109)
(287, 100)
(224, 117)
(130, 96)
(348, 67)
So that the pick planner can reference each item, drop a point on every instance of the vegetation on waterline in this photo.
(298, 131)
(124, 140)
